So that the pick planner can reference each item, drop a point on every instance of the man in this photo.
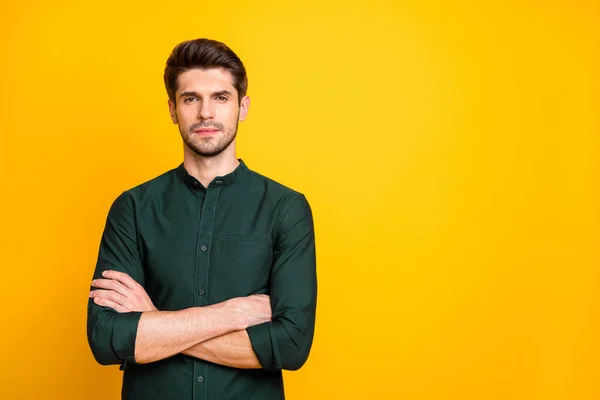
(205, 286)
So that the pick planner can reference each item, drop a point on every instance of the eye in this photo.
(189, 99)
(221, 98)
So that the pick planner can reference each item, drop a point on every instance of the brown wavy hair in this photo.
(204, 54)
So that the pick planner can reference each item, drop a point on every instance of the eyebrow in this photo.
(195, 94)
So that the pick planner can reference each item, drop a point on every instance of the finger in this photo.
(122, 277)
(110, 284)
(109, 303)
(109, 295)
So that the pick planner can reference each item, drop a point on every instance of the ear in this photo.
(244, 106)
(172, 112)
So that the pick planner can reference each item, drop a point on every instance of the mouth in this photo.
(206, 131)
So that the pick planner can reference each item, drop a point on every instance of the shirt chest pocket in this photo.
(244, 264)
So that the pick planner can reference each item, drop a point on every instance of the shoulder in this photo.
(274, 190)
(152, 187)
(146, 191)
(160, 182)
(289, 203)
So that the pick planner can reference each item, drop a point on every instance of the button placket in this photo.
(202, 272)
(205, 232)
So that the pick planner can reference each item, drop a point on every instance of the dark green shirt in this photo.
(191, 246)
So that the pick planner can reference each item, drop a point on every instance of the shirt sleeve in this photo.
(111, 335)
(285, 341)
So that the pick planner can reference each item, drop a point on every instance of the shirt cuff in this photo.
(264, 345)
(124, 334)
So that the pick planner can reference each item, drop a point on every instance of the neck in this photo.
(205, 169)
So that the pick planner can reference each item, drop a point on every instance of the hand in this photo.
(121, 293)
(251, 310)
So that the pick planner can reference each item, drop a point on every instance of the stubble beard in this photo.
(209, 146)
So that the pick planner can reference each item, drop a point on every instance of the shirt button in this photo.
(218, 182)
(195, 184)
(203, 247)
(200, 379)
(201, 292)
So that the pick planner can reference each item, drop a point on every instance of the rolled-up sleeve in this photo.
(111, 335)
(285, 342)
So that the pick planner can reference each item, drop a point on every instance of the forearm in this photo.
(233, 350)
(162, 334)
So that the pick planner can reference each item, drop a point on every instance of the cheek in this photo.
(185, 115)
(230, 116)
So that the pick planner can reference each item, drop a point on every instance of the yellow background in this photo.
(449, 149)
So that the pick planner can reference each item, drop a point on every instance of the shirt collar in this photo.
(225, 180)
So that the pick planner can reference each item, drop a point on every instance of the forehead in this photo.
(213, 79)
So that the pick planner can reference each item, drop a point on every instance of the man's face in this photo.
(207, 110)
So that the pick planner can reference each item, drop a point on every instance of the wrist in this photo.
(235, 313)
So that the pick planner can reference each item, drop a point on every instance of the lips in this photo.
(206, 131)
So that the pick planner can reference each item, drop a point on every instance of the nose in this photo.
(206, 110)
